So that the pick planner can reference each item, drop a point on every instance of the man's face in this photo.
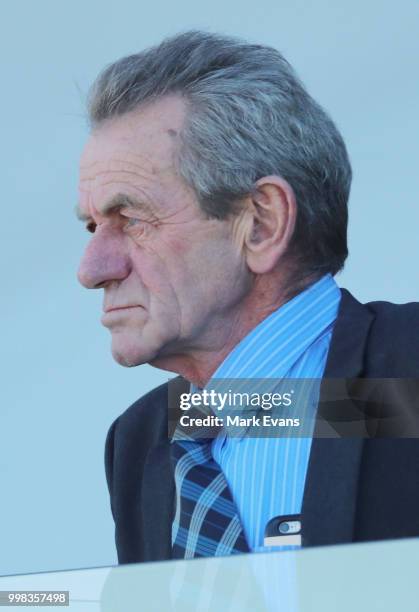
(172, 279)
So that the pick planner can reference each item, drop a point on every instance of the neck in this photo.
(198, 364)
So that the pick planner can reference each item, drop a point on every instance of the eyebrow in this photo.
(118, 201)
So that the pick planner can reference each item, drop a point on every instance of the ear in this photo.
(271, 223)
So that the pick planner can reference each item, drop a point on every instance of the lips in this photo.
(113, 315)
(113, 308)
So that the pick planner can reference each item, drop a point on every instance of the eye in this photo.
(132, 221)
(91, 227)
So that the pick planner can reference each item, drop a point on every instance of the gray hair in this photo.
(249, 116)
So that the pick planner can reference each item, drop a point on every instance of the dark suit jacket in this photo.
(356, 489)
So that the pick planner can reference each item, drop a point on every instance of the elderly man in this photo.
(216, 189)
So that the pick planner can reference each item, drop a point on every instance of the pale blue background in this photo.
(60, 389)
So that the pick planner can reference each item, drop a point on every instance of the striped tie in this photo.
(206, 523)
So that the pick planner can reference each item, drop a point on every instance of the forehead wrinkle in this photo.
(124, 166)
(96, 169)
(148, 195)
(124, 194)
(143, 189)
(132, 160)
(135, 171)
(110, 174)
(124, 162)
(148, 185)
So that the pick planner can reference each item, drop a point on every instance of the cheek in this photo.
(217, 274)
(181, 272)
(179, 247)
(216, 259)
(154, 270)
(227, 275)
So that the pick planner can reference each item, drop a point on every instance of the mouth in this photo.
(114, 315)
(117, 308)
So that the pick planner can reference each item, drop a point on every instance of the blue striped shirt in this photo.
(266, 476)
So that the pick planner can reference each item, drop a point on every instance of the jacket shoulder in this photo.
(388, 311)
(394, 338)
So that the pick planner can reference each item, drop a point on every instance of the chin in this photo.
(125, 361)
(130, 355)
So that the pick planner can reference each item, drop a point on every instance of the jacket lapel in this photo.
(158, 501)
(330, 494)
(158, 490)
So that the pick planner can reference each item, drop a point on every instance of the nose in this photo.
(104, 261)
